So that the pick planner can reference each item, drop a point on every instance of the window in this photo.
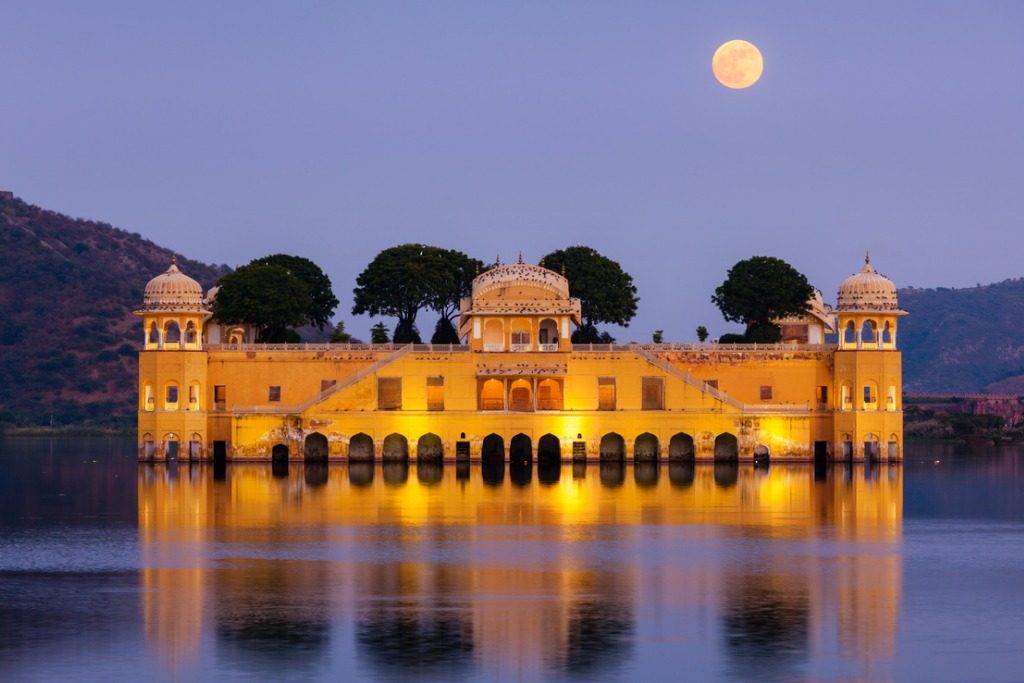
(766, 392)
(435, 393)
(149, 402)
(389, 393)
(274, 392)
(220, 397)
(172, 393)
(492, 394)
(821, 394)
(326, 384)
(653, 393)
(846, 396)
(606, 393)
(869, 396)
(193, 396)
(890, 401)
(549, 394)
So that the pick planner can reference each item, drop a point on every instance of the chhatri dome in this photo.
(172, 290)
(867, 290)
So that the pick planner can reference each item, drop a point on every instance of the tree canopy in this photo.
(758, 291)
(605, 290)
(403, 280)
(266, 296)
(322, 301)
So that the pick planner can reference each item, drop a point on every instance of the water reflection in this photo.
(458, 569)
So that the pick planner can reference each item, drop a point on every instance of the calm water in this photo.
(111, 570)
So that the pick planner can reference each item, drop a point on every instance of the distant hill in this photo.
(68, 340)
(967, 340)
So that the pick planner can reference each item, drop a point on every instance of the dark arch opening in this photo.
(429, 448)
(761, 455)
(549, 459)
(520, 449)
(396, 448)
(680, 448)
(613, 448)
(360, 448)
(646, 448)
(316, 447)
(493, 449)
(727, 448)
(645, 474)
(492, 460)
(279, 452)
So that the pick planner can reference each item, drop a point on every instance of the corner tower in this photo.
(172, 368)
(868, 369)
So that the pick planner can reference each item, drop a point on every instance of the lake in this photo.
(114, 570)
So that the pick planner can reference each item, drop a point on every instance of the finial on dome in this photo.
(541, 262)
(497, 260)
(867, 257)
(520, 258)
(174, 259)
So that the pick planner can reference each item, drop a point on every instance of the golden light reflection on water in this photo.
(523, 570)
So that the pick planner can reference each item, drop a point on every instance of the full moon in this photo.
(737, 64)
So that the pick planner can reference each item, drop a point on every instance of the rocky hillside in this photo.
(68, 340)
(964, 340)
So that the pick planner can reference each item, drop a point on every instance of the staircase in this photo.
(317, 398)
(700, 385)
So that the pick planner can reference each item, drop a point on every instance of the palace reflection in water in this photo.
(442, 570)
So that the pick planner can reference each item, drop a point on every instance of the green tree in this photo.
(658, 337)
(399, 282)
(266, 296)
(456, 272)
(605, 290)
(340, 336)
(322, 301)
(702, 333)
(758, 291)
(379, 334)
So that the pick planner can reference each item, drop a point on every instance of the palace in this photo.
(518, 389)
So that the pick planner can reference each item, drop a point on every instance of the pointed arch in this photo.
(613, 447)
(360, 448)
(727, 447)
(681, 448)
(646, 448)
(395, 448)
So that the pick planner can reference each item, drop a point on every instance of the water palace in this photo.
(518, 389)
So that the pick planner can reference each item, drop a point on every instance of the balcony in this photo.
(548, 347)
(520, 347)
(494, 347)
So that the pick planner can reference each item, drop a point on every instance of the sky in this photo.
(228, 131)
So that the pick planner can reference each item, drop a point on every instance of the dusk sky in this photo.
(228, 131)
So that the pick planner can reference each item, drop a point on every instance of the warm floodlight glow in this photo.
(737, 64)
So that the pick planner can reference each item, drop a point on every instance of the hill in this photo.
(68, 339)
(964, 340)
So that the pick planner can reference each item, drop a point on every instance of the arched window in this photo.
(890, 398)
(549, 394)
(494, 335)
(154, 335)
(193, 396)
(868, 332)
(870, 396)
(547, 335)
(148, 446)
(171, 396)
(520, 395)
(893, 447)
(190, 333)
(172, 334)
(148, 399)
(520, 334)
(846, 396)
(850, 335)
(887, 333)
(492, 395)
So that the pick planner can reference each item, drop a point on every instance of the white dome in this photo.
(867, 290)
(172, 290)
(520, 275)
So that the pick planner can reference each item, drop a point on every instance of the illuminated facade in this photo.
(518, 389)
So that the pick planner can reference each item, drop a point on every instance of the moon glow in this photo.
(737, 64)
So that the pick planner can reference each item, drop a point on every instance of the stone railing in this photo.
(431, 348)
(707, 348)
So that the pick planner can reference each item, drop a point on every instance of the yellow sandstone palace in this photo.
(518, 389)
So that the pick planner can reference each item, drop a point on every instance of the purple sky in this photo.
(333, 130)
